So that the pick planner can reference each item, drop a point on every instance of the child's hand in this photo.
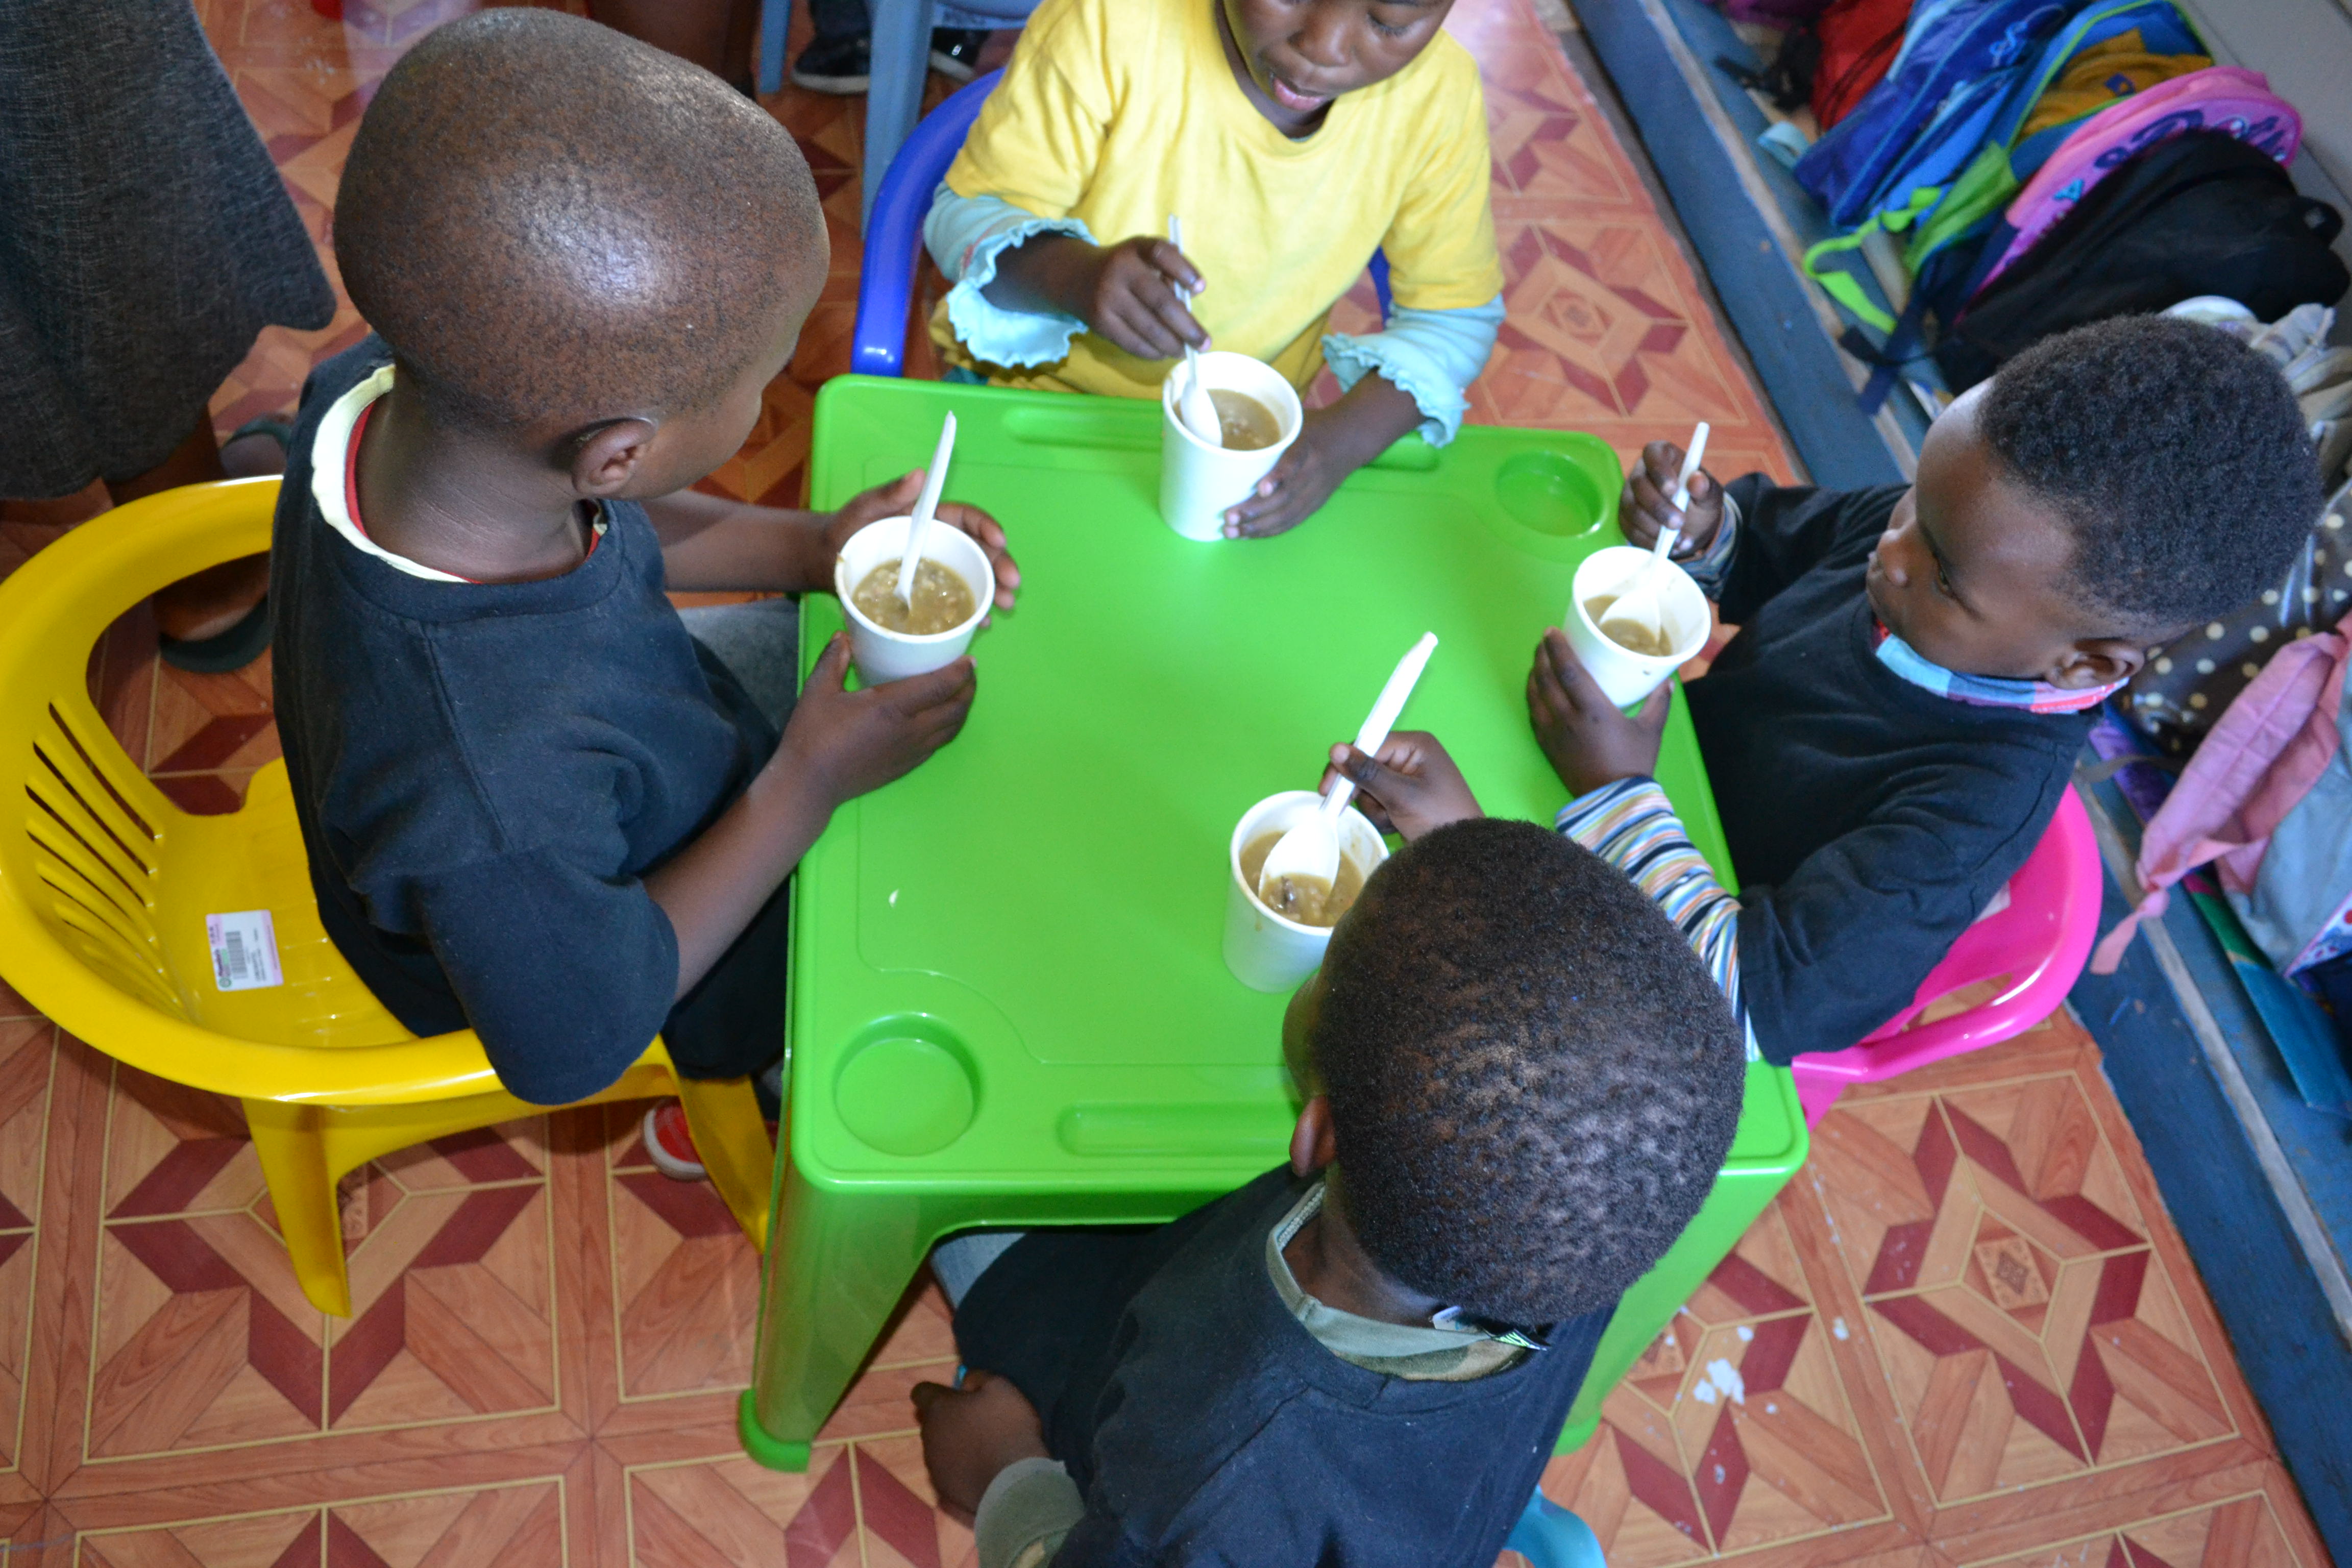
(970, 1433)
(1643, 509)
(1588, 741)
(1411, 788)
(850, 742)
(1295, 488)
(897, 499)
(1132, 299)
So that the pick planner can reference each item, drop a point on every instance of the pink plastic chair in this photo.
(2039, 942)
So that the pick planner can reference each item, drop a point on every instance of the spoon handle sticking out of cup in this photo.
(918, 526)
(1193, 404)
(1691, 460)
(1638, 616)
(1309, 853)
(1382, 718)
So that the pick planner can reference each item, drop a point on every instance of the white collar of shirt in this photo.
(330, 468)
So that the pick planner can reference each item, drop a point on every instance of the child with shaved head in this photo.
(536, 802)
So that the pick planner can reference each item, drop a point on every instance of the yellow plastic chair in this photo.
(105, 884)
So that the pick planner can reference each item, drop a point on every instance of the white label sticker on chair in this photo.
(245, 950)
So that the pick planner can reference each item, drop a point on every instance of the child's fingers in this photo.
(1176, 267)
(1169, 311)
(1141, 332)
(831, 672)
(1651, 716)
(916, 695)
(1567, 672)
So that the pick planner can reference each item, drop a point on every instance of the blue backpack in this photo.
(1944, 88)
(1967, 148)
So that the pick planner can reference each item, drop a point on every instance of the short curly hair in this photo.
(549, 220)
(1533, 1079)
(2176, 453)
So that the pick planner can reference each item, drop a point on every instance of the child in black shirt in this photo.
(534, 805)
(1891, 730)
(1520, 1083)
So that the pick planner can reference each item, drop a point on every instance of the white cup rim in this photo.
(1681, 656)
(983, 593)
(1293, 414)
(1234, 855)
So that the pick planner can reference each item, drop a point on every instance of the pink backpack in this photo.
(2219, 98)
(2278, 748)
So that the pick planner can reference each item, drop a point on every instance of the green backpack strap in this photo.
(1984, 187)
(1841, 283)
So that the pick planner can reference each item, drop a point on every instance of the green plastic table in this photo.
(1009, 1005)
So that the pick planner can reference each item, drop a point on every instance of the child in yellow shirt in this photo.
(1293, 137)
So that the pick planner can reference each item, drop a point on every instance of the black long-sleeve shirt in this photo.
(1203, 1423)
(484, 773)
(1869, 820)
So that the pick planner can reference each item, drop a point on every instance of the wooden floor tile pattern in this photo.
(1965, 1335)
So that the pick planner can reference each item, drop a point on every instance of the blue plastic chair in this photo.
(1548, 1536)
(894, 231)
(894, 228)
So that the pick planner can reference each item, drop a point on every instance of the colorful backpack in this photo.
(2202, 213)
(2015, 153)
(1858, 43)
(2229, 99)
(1957, 250)
(1953, 173)
(1945, 85)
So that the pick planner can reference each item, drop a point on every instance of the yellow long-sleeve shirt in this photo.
(1118, 112)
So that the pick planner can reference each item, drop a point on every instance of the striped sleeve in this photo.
(1633, 825)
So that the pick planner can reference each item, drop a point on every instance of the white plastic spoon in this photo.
(1637, 618)
(1193, 404)
(918, 526)
(1310, 851)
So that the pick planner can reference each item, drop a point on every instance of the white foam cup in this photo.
(1199, 479)
(1626, 677)
(881, 654)
(1268, 951)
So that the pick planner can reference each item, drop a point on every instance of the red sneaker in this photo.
(670, 1145)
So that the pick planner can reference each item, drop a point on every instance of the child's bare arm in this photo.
(709, 542)
(1333, 443)
(838, 744)
(1125, 292)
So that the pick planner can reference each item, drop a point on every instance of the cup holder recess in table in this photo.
(906, 1086)
(1547, 494)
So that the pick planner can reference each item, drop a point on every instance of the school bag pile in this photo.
(2045, 163)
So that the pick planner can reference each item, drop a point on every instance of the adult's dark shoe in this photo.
(842, 65)
(955, 51)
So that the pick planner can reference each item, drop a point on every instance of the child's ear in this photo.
(1313, 1144)
(2097, 661)
(605, 457)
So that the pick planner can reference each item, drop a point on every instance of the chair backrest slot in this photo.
(86, 821)
(79, 833)
(89, 761)
(61, 861)
(53, 855)
(107, 948)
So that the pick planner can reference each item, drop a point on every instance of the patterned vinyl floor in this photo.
(1966, 1334)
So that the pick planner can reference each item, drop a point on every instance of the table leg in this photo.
(837, 1264)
